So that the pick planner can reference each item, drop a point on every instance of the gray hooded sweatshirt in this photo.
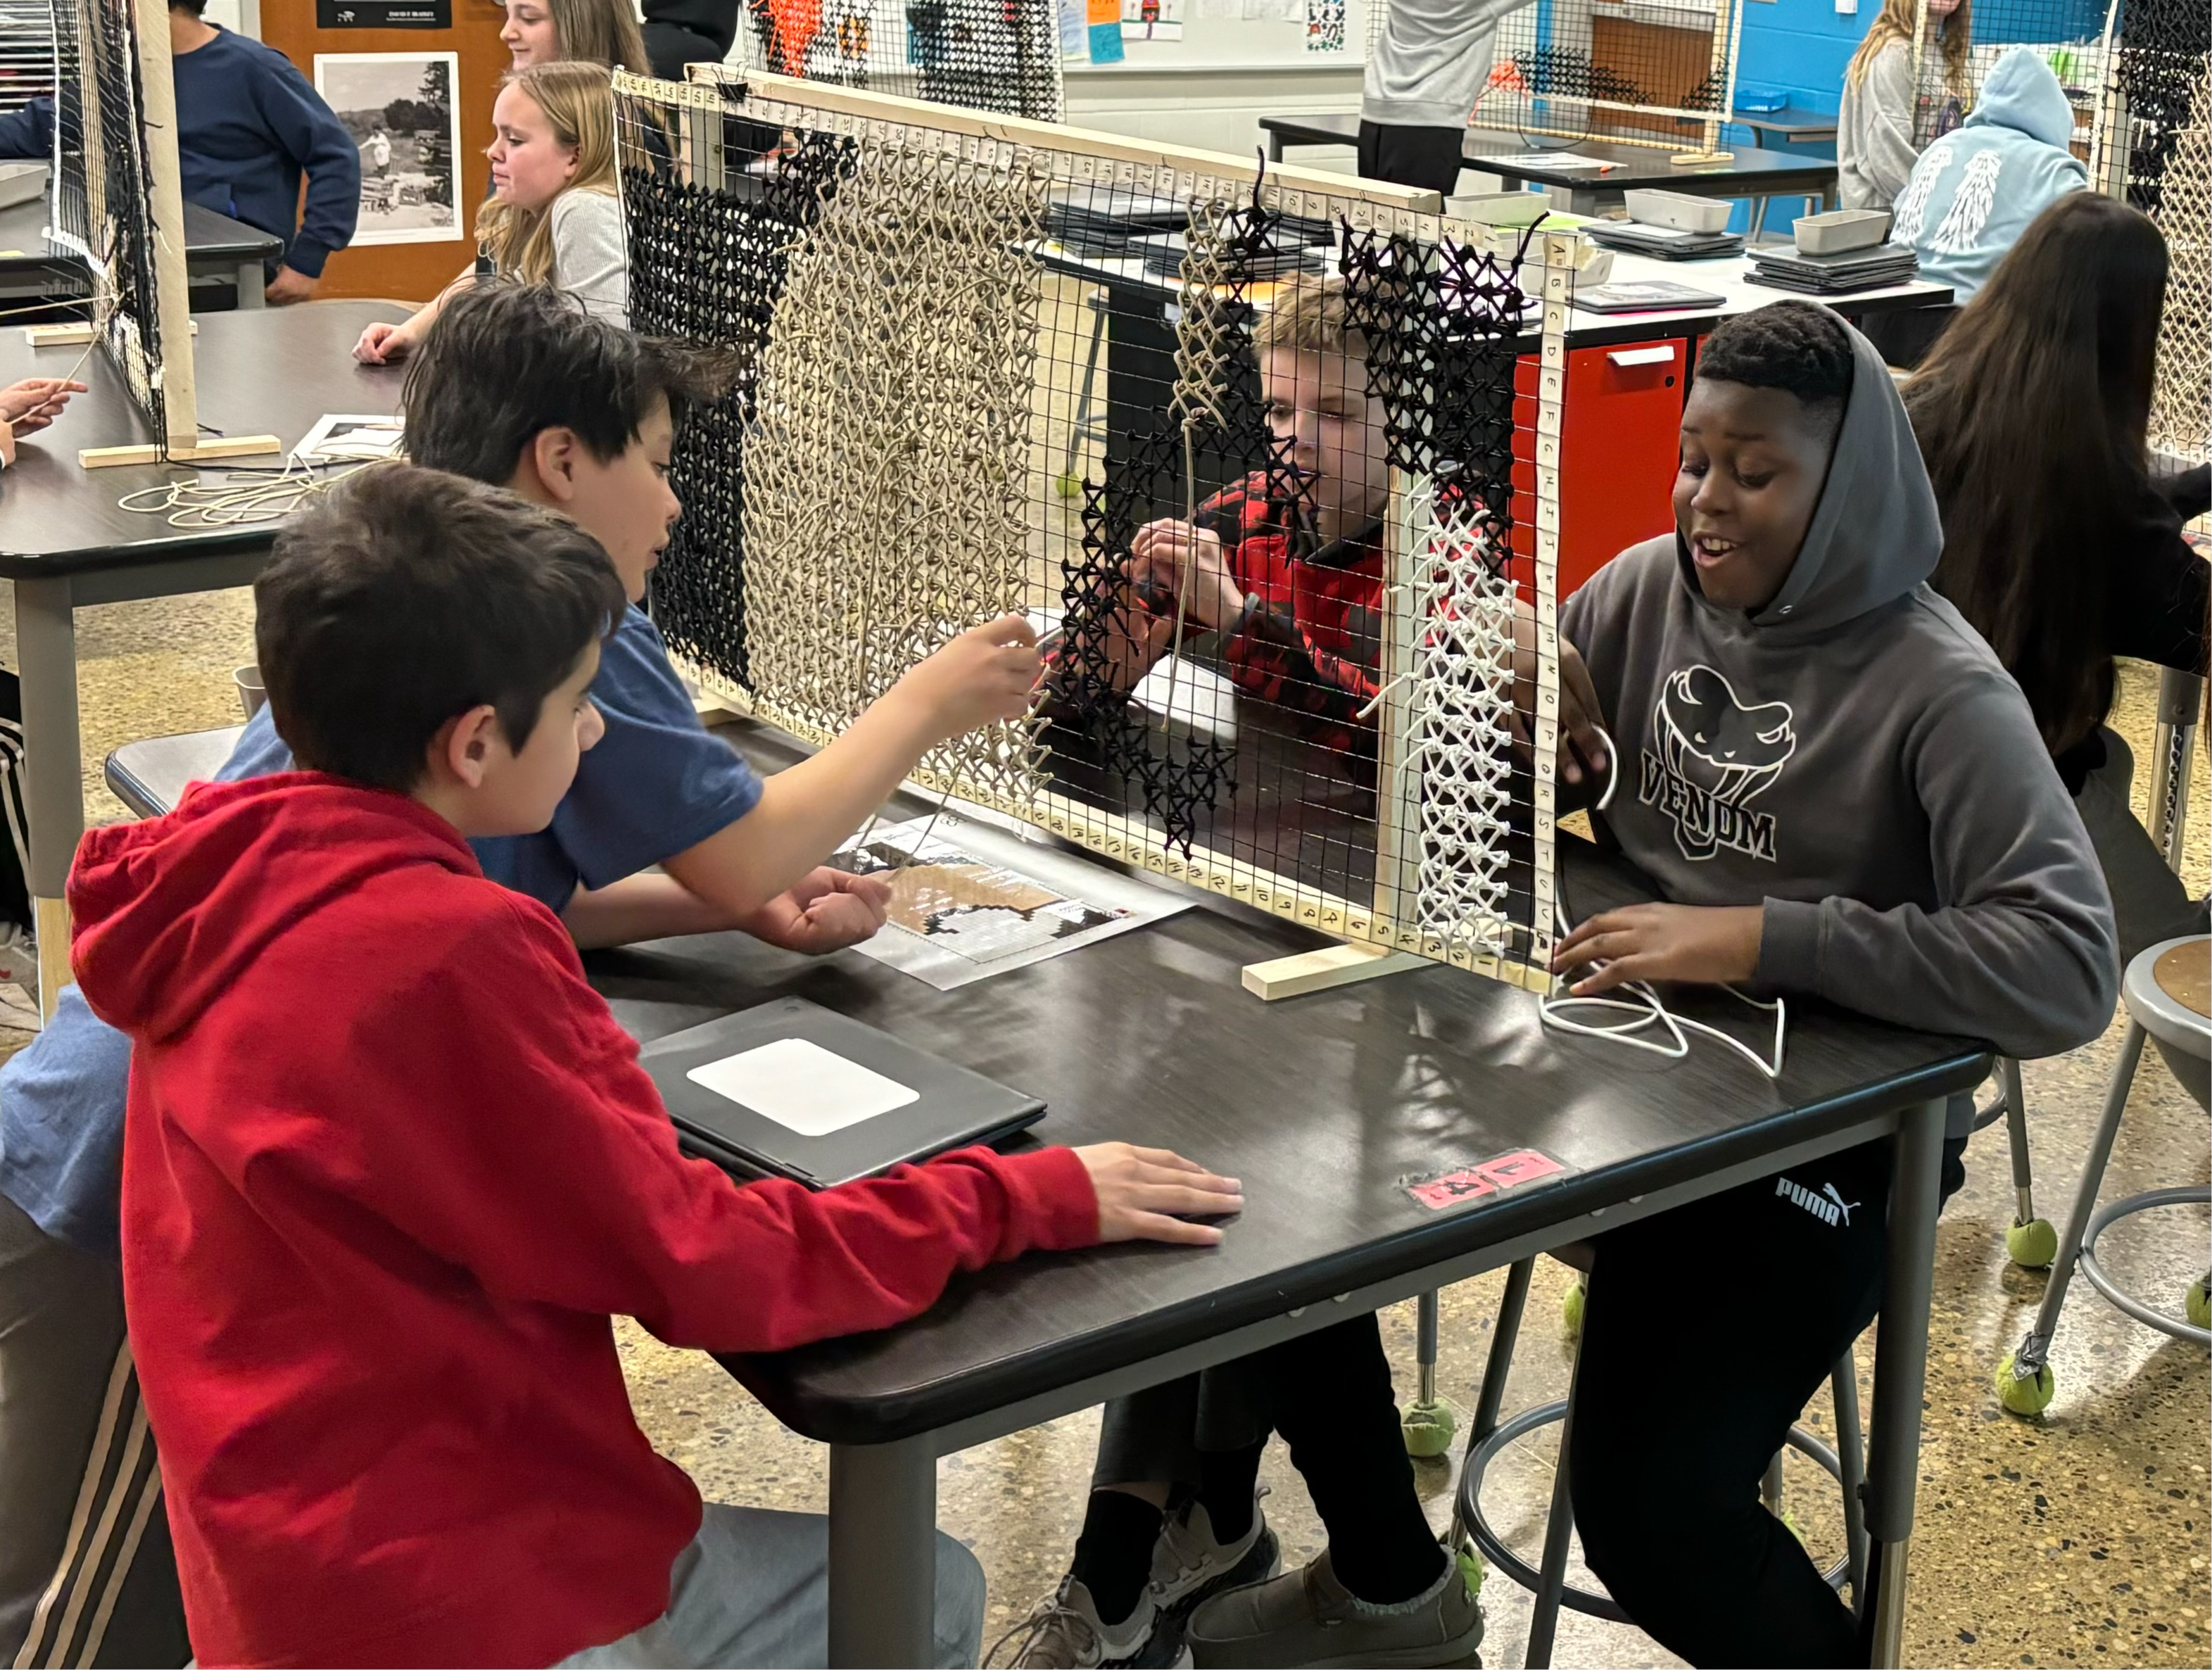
(1854, 757)
(1430, 60)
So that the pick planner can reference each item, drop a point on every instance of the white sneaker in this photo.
(1062, 1632)
(1188, 1564)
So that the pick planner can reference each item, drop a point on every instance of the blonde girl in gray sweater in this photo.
(1875, 133)
(554, 216)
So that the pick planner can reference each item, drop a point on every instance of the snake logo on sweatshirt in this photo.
(1711, 755)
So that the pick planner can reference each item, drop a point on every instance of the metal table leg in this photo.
(1900, 1374)
(1558, 1527)
(2180, 696)
(1850, 1456)
(53, 785)
(251, 282)
(883, 1553)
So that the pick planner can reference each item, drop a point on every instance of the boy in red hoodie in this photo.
(390, 1165)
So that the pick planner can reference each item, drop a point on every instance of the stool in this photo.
(2165, 991)
(1486, 1439)
(2030, 1241)
(1085, 423)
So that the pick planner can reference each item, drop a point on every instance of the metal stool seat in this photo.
(2030, 1241)
(2167, 990)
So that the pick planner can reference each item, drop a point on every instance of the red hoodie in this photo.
(389, 1168)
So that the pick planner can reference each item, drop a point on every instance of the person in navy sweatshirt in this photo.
(248, 126)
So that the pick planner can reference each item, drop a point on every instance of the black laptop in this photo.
(793, 1089)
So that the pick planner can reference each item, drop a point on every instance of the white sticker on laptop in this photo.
(802, 1086)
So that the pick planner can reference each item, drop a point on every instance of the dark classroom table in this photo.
(66, 542)
(1326, 1107)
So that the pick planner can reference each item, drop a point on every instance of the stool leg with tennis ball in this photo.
(1428, 1422)
(2030, 1241)
(2024, 1381)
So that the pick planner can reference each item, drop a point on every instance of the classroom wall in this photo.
(1212, 108)
(1802, 46)
(1798, 45)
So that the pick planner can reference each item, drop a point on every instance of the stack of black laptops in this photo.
(1846, 272)
(1100, 220)
(1279, 256)
(1666, 243)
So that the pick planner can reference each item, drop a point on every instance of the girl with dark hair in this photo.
(2059, 546)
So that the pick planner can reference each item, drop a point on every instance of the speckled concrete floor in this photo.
(2080, 1538)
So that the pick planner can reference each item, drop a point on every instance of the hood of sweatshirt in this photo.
(2023, 93)
(169, 911)
(1874, 535)
(1853, 760)
(1974, 191)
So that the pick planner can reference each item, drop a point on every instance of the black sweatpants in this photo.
(1327, 1394)
(1426, 159)
(1709, 1328)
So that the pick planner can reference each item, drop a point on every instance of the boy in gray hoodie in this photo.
(1842, 794)
(1839, 793)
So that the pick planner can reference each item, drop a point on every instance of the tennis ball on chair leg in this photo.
(1429, 1428)
(2024, 1397)
(1570, 1311)
(2198, 1305)
(2032, 1245)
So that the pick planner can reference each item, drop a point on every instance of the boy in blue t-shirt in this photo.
(519, 386)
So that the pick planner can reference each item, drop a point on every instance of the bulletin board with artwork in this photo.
(1217, 34)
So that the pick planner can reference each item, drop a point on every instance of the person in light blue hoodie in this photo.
(1974, 191)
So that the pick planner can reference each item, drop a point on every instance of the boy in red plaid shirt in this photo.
(1287, 564)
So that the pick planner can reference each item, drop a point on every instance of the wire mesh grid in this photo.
(2155, 150)
(1271, 467)
(997, 55)
(1957, 46)
(101, 207)
(1641, 72)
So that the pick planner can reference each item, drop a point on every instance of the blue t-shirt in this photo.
(656, 785)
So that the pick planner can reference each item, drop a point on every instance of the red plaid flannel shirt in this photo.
(1311, 636)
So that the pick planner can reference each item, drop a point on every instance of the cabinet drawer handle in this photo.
(1629, 356)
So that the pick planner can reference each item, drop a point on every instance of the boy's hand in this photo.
(34, 404)
(1712, 946)
(1127, 642)
(1144, 1194)
(383, 344)
(1582, 750)
(288, 288)
(827, 911)
(985, 674)
(1157, 557)
(1583, 754)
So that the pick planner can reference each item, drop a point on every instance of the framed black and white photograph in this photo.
(400, 109)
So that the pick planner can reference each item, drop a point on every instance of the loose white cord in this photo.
(1551, 1009)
